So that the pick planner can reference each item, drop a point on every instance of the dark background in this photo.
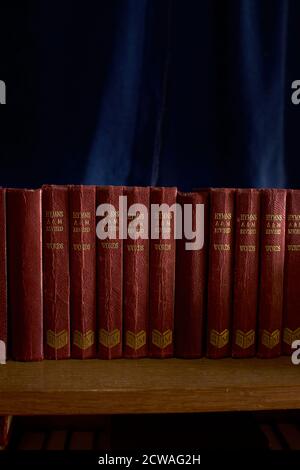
(164, 92)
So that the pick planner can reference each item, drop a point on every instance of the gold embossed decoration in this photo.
(57, 340)
(245, 340)
(83, 341)
(161, 340)
(270, 340)
(219, 340)
(289, 336)
(136, 341)
(109, 339)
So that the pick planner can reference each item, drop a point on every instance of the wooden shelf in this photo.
(148, 386)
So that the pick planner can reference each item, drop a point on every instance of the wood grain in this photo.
(148, 386)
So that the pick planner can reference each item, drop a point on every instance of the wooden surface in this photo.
(148, 385)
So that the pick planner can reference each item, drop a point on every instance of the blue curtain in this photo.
(189, 93)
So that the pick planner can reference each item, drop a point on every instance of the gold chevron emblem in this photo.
(109, 339)
(162, 340)
(57, 340)
(83, 341)
(289, 336)
(219, 340)
(245, 340)
(135, 341)
(270, 340)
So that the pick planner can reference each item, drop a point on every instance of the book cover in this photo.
(162, 274)
(82, 200)
(273, 202)
(291, 310)
(25, 279)
(191, 279)
(220, 277)
(3, 279)
(246, 272)
(109, 265)
(56, 273)
(136, 274)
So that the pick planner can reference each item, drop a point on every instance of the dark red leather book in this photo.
(3, 279)
(56, 272)
(246, 272)
(82, 214)
(24, 235)
(136, 276)
(191, 279)
(271, 272)
(109, 265)
(220, 277)
(291, 310)
(162, 275)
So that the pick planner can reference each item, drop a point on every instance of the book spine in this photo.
(82, 200)
(220, 277)
(162, 274)
(109, 265)
(246, 271)
(3, 279)
(56, 272)
(191, 266)
(271, 272)
(136, 275)
(24, 224)
(291, 312)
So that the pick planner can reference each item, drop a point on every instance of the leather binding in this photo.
(271, 272)
(162, 279)
(246, 272)
(220, 277)
(191, 279)
(24, 232)
(82, 214)
(56, 271)
(136, 280)
(3, 278)
(291, 310)
(109, 264)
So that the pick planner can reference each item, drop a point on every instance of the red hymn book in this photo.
(24, 228)
(83, 270)
(56, 271)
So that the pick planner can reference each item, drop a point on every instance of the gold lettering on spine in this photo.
(221, 247)
(81, 221)
(248, 224)
(54, 221)
(293, 226)
(247, 248)
(222, 222)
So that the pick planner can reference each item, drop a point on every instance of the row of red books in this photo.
(67, 293)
